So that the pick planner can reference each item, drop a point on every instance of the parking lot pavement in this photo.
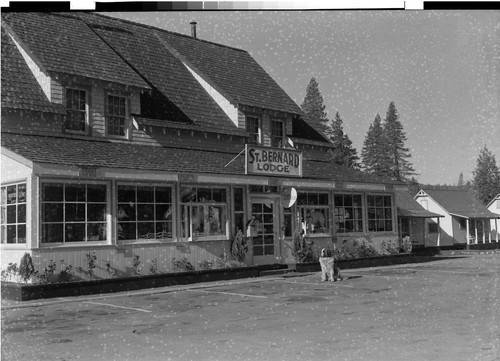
(443, 310)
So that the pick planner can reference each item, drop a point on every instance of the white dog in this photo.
(328, 269)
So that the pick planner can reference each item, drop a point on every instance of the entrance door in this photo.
(264, 231)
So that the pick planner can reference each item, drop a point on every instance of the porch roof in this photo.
(120, 154)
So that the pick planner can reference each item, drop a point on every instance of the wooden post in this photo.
(439, 233)
(467, 230)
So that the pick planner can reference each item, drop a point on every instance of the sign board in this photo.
(273, 161)
(288, 196)
(185, 177)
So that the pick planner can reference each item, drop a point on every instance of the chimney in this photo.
(193, 29)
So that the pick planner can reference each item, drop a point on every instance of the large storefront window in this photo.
(379, 213)
(144, 212)
(314, 212)
(73, 212)
(203, 212)
(13, 208)
(348, 213)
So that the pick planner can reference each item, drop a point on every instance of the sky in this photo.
(441, 69)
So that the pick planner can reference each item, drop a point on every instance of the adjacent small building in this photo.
(136, 143)
(421, 225)
(466, 221)
(494, 207)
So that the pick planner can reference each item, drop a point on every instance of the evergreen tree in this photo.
(486, 177)
(313, 107)
(401, 168)
(413, 186)
(461, 183)
(344, 153)
(374, 151)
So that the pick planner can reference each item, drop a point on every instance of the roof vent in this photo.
(193, 29)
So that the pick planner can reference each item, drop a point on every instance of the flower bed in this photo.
(26, 292)
(374, 261)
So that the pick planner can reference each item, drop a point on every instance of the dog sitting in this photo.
(328, 269)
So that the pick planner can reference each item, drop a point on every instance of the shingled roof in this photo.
(64, 44)
(408, 207)
(460, 203)
(20, 90)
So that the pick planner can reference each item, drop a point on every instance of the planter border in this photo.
(26, 292)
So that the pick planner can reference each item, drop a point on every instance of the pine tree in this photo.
(314, 108)
(461, 183)
(343, 153)
(374, 152)
(401, 168)
(486, 177)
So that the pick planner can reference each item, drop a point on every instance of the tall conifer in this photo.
(313, 107)
(486, 177)
(344, 153)
(375, 152)
(401, 168)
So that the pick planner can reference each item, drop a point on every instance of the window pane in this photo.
(11, 214)
(11, 194)
(96, 231)
(126, 230)
(52, 192)
(126, 212)
(4, 196)
(96, 212)
(163, 195)
(11, 234)
(75, 232)
(75, 192)
(21, 233)
(126, 194)
(52, 212)
(146, 230)
(204, 195)
(96, 193)
(145, 194)
(52, 233)
(21, 193)
(238, 199)
(145, 212)
(163, 229)
(219, 195)
(75, 212)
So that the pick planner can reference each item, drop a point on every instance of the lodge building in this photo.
(128, 140)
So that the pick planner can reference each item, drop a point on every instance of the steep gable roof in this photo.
(407, 206)
(141, 48)
(64, 44)
(20, 89)
(460, 203)
(497, 197)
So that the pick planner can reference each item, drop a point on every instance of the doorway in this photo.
(264, 230)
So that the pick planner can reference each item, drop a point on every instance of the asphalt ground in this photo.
(448, 309)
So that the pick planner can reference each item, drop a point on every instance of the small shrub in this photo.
(239, 247)
(91, 264)
(109, 269)
(46, 276)
(182, 265)
(66, 272)
(153, 267)
(10, 272)
(302, 248)
(136, 261)
(206, 265)
(26, 268)
(389, 247)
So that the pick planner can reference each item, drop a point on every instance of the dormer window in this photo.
(116, 116)
(76, 110)
(253, 127)
(277, 133)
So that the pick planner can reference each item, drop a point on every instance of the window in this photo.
(276, 133)
(203, 212)
(239, 210)
(348, 213)
(379, 213)
(73, 212)
(144, 212)
(433, 228)
(253, 127)
(76, 110)
(13, 208)
(117, 115)
(314, 212)
(462, 222)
